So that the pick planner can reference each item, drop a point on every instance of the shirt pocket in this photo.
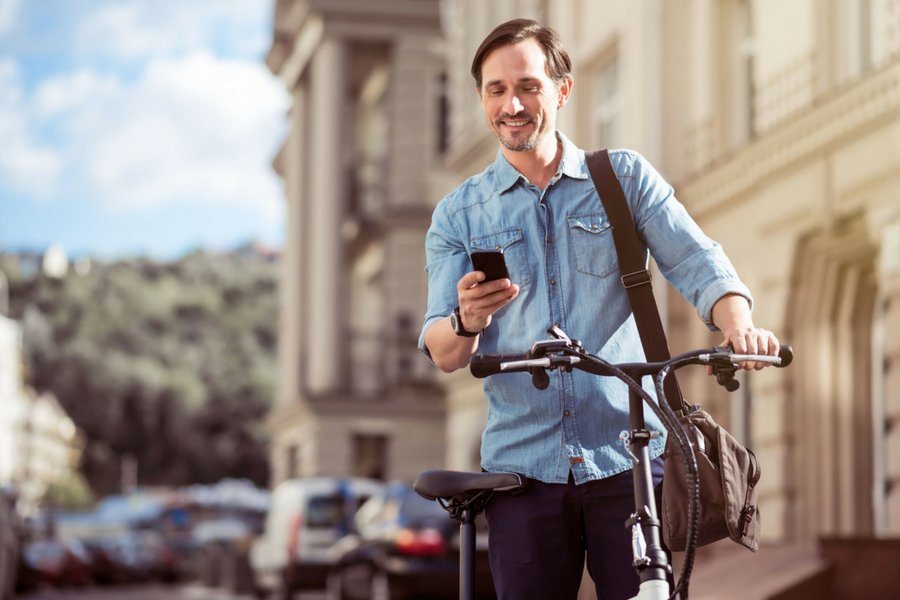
(592, 244)
(512, 242)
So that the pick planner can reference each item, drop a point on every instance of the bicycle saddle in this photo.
(435, 483)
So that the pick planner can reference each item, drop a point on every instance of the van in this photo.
(306, 516)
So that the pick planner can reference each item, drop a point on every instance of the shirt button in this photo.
(566, 413)
(552, 282)
(549, 241)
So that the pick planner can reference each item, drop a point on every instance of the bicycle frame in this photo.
(561, 352)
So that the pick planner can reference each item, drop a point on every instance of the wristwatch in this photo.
(457, 325)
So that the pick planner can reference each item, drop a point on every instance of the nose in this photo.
(513, 105)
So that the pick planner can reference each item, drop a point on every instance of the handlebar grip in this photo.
(786, 354)
(482, 365)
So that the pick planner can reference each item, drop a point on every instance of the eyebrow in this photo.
(524, 80)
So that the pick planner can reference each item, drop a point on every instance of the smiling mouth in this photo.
(515, 122)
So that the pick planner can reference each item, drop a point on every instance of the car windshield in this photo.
(324, 511)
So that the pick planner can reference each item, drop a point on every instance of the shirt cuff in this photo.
(422, 347)
(717, 291)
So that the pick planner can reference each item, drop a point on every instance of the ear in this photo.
(565, 90)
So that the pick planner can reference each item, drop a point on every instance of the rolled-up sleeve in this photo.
(446, 261)
(692, 262)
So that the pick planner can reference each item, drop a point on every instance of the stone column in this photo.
(324, 273)
(290, 327)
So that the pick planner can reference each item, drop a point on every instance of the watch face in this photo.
(457, 325)
(454, 322)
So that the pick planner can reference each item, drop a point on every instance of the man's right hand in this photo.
(479, 299)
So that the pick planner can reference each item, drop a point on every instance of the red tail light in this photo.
(420, 542)
(294, 537)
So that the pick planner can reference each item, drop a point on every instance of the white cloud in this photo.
(199, 129)
(25, 163)
(71, 92)
(138, 29)
(167, 104)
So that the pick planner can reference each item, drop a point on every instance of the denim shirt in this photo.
(559, 249)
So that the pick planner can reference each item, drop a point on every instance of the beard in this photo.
(517, 143)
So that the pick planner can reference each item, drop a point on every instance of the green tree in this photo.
(171, 362)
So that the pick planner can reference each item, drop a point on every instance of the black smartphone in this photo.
(491, 262)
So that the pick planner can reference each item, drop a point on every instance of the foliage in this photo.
(70, 493)
(173, 362)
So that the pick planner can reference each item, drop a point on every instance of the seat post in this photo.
(467, 553)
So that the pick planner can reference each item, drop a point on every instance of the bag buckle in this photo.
(635, 279)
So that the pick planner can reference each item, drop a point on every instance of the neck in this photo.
(538, 165)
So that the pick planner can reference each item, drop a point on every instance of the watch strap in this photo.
(458, 327)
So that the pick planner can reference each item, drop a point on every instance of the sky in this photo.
(138, 127)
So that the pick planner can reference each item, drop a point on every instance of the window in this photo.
(443, 115)
(870, 30)
(370, 455)
(293, 462)
(606, 105)
(325, 511)
(739, 71)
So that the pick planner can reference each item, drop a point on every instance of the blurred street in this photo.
(188, 591)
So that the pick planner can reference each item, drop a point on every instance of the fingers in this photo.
(479, 300)
(753, 341)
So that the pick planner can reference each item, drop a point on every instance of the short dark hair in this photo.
(518, 30)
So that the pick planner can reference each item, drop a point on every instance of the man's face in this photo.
(519, 99)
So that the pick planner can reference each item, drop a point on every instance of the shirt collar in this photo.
(572, 165)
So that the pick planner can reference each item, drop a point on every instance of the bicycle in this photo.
(465, 495)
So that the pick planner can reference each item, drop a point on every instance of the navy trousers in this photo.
(537, 540)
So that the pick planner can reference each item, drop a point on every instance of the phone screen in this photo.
(491, 262)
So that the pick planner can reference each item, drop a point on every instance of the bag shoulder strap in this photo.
(633, 266)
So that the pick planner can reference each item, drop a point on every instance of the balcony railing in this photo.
(379, 361)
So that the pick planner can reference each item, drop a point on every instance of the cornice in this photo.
(407, 12)
(829, 122)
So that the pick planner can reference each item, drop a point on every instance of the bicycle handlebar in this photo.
(567, 357)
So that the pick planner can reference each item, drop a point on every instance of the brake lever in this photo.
(539, 378)
(725, 371)
(725, 377)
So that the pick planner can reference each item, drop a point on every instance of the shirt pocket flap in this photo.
(590, 236)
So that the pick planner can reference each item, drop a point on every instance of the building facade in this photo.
(779, 126)
(354, 397)
(778, 123)
(39, 443)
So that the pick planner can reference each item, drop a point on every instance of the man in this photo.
(538, 203)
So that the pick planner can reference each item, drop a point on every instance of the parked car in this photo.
(141, 555)
(403, 546)
(306, 517)
(104, 567)
(55, 562)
